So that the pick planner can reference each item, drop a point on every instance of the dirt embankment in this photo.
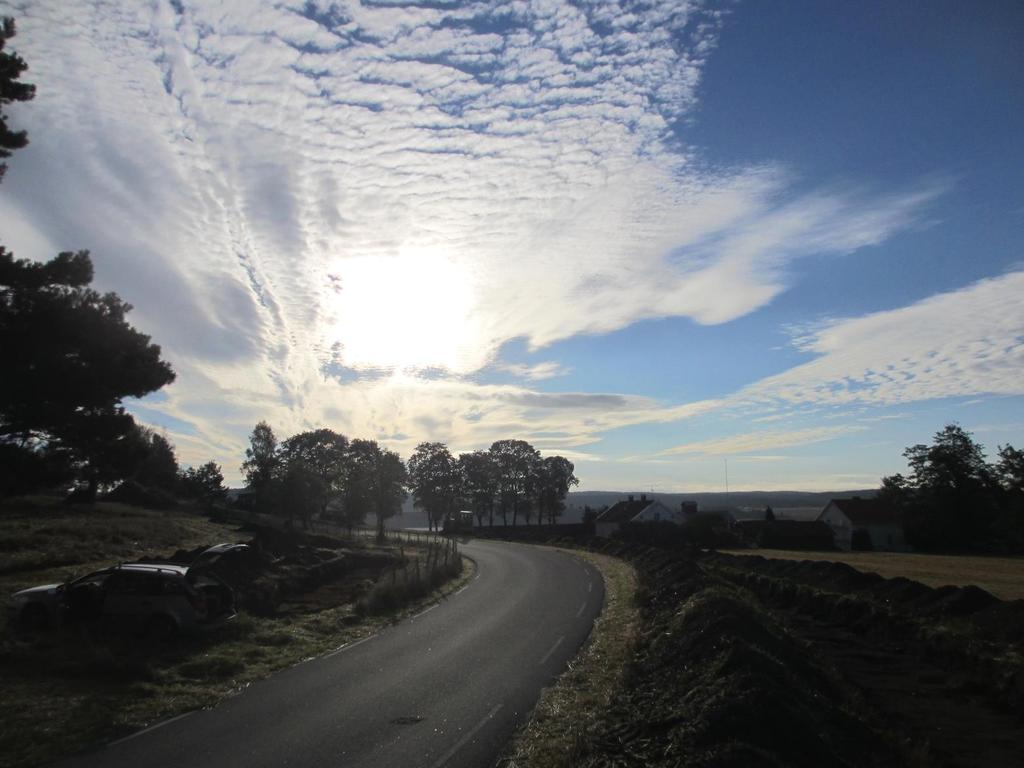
(942, 667)
(749, 662)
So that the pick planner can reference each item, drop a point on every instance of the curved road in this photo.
(447, 687)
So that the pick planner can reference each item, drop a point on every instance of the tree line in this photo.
(322, 473)
(953, 499)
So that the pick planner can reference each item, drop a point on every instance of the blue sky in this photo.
(651, 237)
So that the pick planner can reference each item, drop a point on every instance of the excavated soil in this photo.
(940, 667)
(744, 661)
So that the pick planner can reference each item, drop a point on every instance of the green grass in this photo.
(556, 730)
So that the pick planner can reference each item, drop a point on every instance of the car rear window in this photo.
(151, 584)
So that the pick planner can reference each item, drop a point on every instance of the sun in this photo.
(404, 312)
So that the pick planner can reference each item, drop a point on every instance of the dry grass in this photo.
(65, 692)
(426, 568)
(43, 540)
(567, 709)
(1002, 576)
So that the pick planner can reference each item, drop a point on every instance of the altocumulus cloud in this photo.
(760, 441)
(290, 190)
(960, 343)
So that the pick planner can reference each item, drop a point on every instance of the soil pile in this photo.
(716, 681)
(910, 597)
(942, 665)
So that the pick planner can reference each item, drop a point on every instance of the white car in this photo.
(158, 599)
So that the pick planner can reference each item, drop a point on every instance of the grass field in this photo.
(1002, 576)
(44, 541)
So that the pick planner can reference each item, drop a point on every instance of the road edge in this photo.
(553, 735)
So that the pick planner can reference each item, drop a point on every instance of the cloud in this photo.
(399, 182)
(760, 441)
(537, 372)
(286, 191)
(960, 343)
(400, 410)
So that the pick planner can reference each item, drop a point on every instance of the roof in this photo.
(865, 511)
(623, 511)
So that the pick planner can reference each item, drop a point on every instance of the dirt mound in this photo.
(770, 578)
(1002, 621)
(942, 664)
(715, 682)
(955, 601)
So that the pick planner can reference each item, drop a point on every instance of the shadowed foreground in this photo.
(447, 687)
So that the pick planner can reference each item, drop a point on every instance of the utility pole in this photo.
(727, 480)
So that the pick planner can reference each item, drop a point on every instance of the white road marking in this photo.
(590, 586)
(459, 592)
(582, 608)
(426, 610)
(469, 735)
(147, 730)
(348, 646)
(554, 648)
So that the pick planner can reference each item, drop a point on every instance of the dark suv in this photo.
(158, 599)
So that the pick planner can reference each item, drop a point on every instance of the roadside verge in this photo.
(66, 691)
(555, 733)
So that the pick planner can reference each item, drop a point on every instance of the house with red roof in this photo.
(860, 521)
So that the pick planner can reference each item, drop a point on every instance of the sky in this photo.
(683, 244)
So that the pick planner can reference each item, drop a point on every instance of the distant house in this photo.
(787, 534)
(864, 522)
(637, 511)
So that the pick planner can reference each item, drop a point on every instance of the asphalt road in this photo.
(446, 687)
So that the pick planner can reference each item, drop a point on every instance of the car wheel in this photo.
(34, 617)
(160, 629)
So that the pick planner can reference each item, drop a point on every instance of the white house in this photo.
(638, 511)
(878, 522)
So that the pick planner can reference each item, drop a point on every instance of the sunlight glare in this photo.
(403, 313)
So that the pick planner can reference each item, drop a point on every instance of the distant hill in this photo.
(796, 505)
